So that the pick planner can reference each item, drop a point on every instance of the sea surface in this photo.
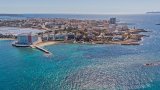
(84, 67)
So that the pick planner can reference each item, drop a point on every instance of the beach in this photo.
(42, 44)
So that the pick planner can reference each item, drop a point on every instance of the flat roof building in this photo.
(112, 21)
(27, 39)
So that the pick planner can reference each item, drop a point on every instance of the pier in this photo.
(43, 50)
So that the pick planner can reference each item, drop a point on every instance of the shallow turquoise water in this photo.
(77, 67)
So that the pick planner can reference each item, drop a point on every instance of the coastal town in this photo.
(73, 31)
(80, 45)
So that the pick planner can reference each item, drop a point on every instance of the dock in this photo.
(43, 50)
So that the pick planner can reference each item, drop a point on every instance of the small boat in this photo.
(158, 24)
(151, 64)
(74, 42)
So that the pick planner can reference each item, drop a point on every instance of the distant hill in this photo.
(10, 15)
(153, 12)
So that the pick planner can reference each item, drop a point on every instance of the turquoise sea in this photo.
(85, 67)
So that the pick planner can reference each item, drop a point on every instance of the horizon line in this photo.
(79, 13)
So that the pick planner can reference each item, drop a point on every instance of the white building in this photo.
(112, 27)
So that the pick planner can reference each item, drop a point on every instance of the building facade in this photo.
(112, 21)
(27, 39)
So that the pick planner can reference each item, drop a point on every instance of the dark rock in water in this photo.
(158, 24)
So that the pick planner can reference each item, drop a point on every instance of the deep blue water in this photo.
(77, 67)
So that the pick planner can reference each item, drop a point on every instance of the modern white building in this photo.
(60, 36)
(112, 27)
(51, 37)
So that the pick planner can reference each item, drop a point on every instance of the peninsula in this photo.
(73, 31)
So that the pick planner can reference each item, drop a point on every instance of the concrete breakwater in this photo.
(42, 49)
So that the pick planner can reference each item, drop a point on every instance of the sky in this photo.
(78, 6)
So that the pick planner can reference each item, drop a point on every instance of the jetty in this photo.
(42, 49)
